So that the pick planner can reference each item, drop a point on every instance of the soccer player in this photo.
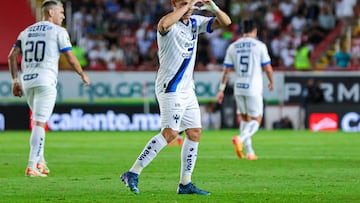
(40, 45)
(248, 57)
(177, 37)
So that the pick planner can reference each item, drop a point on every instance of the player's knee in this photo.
(194, 134)
(169, 134)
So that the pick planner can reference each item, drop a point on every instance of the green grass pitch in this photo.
(293, 166)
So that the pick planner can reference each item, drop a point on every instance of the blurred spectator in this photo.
(111, 33)
(114, 57)
(273, 19)
(313, 11)
(302, 57)
(342, 57)
(355, 51)
(283, 123)
(344, 10)
(287, 55)
(203, 52)
(236, 8)
(277, 45)
(211, 116)
(131, 56)
(80, 54)
(87, 42)
(298, 23)
(326, 19)
(315, 33)
(219, 40)
(96, 58)
(313, 92)
(287, 9)
(78, 20)
(112, 7)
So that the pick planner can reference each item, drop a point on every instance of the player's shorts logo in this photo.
(176, 117)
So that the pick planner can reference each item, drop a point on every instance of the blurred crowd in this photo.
(121, 34)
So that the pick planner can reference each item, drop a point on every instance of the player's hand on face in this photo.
(17, 91)
(196, 4)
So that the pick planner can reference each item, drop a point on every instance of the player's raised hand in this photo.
(196, 4)
(210, 5)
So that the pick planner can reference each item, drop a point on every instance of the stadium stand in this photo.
(120, 35)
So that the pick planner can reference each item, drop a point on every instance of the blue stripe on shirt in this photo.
(228, 65)
(265, 63)
(65, 49)
(208, 28)
(171, 87)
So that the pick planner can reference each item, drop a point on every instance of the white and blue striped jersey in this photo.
(247, 56)
(177, 54)
(41, 45)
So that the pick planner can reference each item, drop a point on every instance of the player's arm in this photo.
(15, 52)
(269, 74)
(72, 60)
(222, 19)
(171, 18)
(222, 86)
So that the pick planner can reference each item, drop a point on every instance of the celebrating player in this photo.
(177, 38)
(40, 45)
(248, 57)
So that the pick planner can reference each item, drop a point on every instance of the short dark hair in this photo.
(248, 25)
(47, 3)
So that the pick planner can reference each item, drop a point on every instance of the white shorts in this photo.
(41, 101)
(179, 111)
(250, 105)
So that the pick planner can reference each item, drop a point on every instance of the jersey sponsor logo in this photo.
(37, 28)
(323, 122)
(30, 76)
(242, 85)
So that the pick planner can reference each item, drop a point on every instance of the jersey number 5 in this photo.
(244, 61)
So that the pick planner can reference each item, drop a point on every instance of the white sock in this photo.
(253, 127)
(188, 159)
(250, 129)
(243, 125)
(42, 156)
(248, 146)
(151, 149)
(36, 145)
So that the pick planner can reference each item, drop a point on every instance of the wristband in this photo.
(222, 87)
(15, 80)
(210, 6)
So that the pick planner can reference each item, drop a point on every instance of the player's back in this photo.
(41, 44)
(248, 56)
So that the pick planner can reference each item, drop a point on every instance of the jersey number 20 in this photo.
(34, 51)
